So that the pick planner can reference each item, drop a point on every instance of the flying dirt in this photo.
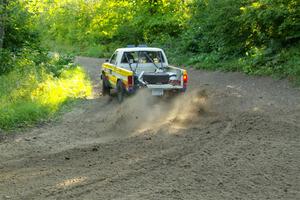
(230, 136)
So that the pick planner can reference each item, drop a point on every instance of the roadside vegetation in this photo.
(253, 36)
(34, 83)
(260, 37)
(33, 92)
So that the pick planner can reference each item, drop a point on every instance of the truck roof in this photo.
(139, 49)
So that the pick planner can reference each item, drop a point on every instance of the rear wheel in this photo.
(105, 87)
(120, 91)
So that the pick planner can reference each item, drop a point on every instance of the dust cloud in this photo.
(144, 112)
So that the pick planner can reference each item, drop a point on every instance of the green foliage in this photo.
(18, 25)
(19, 35)
(207, 32)
(34, 84)
(89, 24)
(32, 92)
(5, 61)
(272, 24)
(214, 27)
(256, 37)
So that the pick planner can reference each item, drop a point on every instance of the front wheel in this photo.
(120, 91)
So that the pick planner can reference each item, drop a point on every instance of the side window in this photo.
(113, 58)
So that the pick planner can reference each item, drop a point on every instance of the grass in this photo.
(32, 93)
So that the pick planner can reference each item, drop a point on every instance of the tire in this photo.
(120, 91)
(105, 87)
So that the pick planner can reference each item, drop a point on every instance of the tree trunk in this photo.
(3, 4)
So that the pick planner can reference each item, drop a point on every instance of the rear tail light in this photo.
(130, 81)
(185, 78)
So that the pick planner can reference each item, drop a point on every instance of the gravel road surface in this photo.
(231, 136)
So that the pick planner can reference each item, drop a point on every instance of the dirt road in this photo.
(230, 137)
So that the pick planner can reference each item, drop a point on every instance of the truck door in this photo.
(112, 68)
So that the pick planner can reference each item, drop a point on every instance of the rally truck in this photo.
(136, 67)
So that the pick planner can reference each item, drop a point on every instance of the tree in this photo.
(3, 4)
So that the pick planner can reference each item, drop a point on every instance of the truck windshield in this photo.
(143, 57)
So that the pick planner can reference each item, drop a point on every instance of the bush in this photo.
(5, 61)
(33, 92)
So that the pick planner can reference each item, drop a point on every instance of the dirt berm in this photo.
(231, 136)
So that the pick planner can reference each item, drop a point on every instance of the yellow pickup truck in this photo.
(132, 68)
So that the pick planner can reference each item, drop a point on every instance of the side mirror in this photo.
(106, 60)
